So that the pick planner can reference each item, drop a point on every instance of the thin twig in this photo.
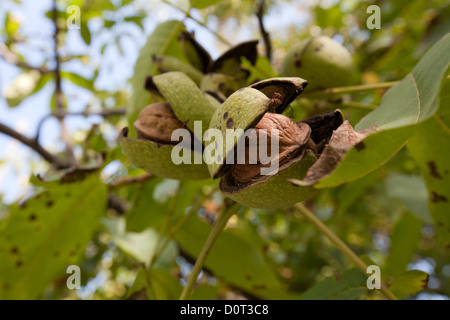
(12, 58)
(130, 180)
(322, 228)
(103, 113)
(166, 223)
(218, 227)
(203, 24)
(358, 105)
(54, 160)
(349, 89)
(57, 71)
(194, 208)
(59, 96)
(61, 114)
(265, 35)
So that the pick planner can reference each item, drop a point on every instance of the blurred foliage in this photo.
(145, 241)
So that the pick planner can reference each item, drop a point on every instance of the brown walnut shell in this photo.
(293, 138)
(156, 122)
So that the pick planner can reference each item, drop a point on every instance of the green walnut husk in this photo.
(243, 110)
(168, 64)
(152, 150)
(188, 102)
(194, 52)
(219, 84)
(156, 158)
(322, 61)
(272, 192)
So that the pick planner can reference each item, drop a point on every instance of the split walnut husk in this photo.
(265, 184)
(293, 140)
(156, 122)
(153, 150)
(299, 148)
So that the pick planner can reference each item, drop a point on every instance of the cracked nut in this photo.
(156, 122)
(153, 148)
(292, 139)
(259, 107)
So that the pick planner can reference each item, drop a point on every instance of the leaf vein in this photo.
(417, 95)
(441, 123)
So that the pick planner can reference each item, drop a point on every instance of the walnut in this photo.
(293, 139)
(156, 122)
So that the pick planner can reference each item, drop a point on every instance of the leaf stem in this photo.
(218, 227)
(53, 159)
(358, 105)
(203, 24)
(167, 217)
(322, 228)
(349, 89)
(179, 225)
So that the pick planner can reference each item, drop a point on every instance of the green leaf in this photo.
(260, 71)
(351, 192)
(412, 191)
(146, 211)
(404, 243)
(152, 199)
(351, 284)
(91, 9)
(11, 24)
(409, 282)
(169, 63)
(164, 285)
(157, 284)
(79, 80)
(141, 246)
(413, 100)
(202, 4)
(163, 41)
(205, 292)
(108, 23)
(234, 259)
(48, 233)
(139, 286)
(85, 33)
(136, 20)
(430, 147)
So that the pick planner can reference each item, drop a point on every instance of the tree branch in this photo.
(130, 180)
(217, 229)
(61, 114)
(203, 24)
(54, 160)
(12, 58)
(323, 229)
(265, 35)
(103, 113)
(59, 96)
